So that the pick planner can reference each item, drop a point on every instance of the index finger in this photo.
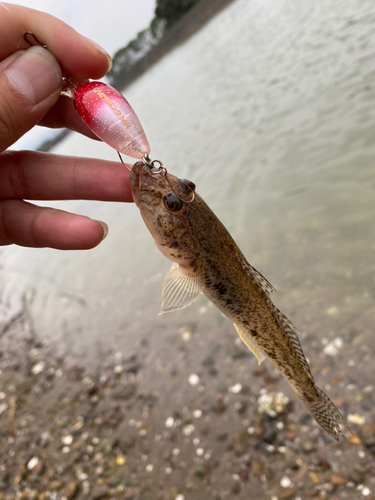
(34, 175)
(78, 56)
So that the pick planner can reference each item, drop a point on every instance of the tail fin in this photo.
(327, 415)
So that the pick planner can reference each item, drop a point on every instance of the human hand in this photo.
(30, 85)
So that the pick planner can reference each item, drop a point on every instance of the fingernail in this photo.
(102, 51)
(35, 73)
(105, 229)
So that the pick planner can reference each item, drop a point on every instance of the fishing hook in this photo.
(122, 161)
(161, 170)
(65, 78)
(30, 33)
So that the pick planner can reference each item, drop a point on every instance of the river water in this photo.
(270, 110)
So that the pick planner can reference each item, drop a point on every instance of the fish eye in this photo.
(184, 183)
(172, 203)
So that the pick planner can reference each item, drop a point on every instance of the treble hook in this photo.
(161, 170)
(30, 33)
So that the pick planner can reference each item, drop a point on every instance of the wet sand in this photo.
(187, 415)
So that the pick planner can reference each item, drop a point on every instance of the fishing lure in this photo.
(110, 117)
(107, 114)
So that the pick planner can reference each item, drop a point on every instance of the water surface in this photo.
(270, 110)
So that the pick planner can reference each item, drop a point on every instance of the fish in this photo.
(206, 259)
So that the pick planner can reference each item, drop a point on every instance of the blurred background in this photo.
(269, 109)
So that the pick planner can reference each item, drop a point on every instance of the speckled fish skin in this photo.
(207, 259)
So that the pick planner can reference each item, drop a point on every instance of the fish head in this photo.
(165, 201)
(149, 184)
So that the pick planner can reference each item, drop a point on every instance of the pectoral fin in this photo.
(246, 339)
(180, 289)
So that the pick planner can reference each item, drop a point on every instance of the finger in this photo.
(30, 226)
(43, 176)
(78, 56)
(30, 84)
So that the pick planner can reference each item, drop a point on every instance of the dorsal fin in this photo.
(292, 334)
(257, 277)
(290, 331)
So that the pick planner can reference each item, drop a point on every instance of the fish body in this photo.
(207, 260)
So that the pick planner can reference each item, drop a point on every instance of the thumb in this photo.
(30, 84)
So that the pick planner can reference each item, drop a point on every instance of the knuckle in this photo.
(8, 122)
(13, 115)
(5, 237)
(18, 178)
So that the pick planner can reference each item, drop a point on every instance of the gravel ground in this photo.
(180, 418)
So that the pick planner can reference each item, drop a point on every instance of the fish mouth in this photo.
(135, 180)
(143, 180)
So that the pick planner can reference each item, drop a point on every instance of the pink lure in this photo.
(109, 115)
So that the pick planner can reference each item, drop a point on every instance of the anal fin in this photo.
(247, 340)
